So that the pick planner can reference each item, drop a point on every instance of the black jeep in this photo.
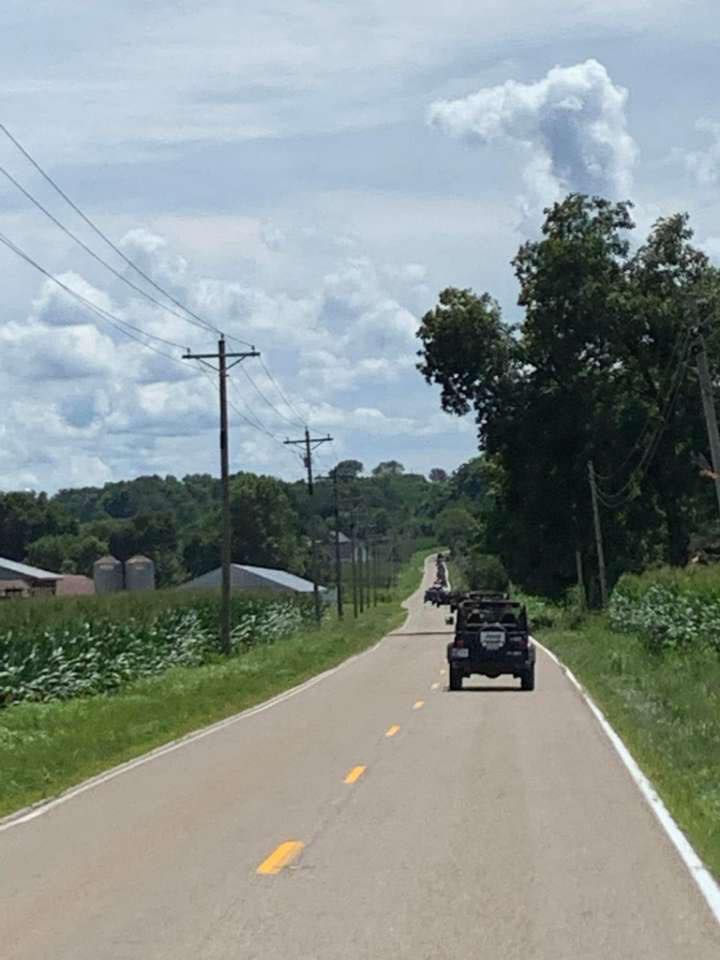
(491, 638)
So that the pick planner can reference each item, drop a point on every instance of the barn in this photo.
(252, 579)
(22, 580)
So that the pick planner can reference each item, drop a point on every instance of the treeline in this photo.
(176, 522)
(600, 368)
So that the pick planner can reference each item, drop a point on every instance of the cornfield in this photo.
(55, 650)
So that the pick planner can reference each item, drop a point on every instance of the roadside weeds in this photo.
(666, 709)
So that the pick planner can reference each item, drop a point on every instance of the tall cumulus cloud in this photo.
(571, 128)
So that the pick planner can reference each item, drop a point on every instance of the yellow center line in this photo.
(355, 774)
(281, 857)
(418, 704)
(435, 686)
(392, 731)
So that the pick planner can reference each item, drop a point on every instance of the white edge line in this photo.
(698, 871)
(45, 806)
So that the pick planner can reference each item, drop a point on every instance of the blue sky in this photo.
(308, 175)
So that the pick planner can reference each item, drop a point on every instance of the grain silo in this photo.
(108, 575)
(140, 573)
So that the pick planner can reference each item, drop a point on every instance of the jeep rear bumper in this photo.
(511, 662)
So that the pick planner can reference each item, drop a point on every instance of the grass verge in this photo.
(666, 708)
(47, 747)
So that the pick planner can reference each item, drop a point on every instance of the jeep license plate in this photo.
(459, 653)
(492, 639)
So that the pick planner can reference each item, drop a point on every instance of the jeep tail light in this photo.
(459, 642)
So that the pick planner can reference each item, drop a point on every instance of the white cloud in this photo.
(704, 165)
(150, 252)
(570, 128)
(56, 307)
(325, 372)
(110, 406)
(711, 246)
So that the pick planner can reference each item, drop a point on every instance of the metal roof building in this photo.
(12, 570)
(245, 577)
(38, 582)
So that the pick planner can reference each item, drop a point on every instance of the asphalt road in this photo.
(491, 824)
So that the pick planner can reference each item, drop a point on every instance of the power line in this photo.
(259, 424)
(617, 500)
(105, 315)
(301, 419)
(266, 400)
(125, 327)
(681, 345)
(187, 315)
(191, 316)
(81, 243)
(133, 286)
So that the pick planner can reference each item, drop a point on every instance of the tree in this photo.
(388, 468)
(467, 350)
(265, 527)
(25, 517)
(539, 393)
(456, 527)
(84, 551)
(438, 475)
(348, 468)
(201, 552)
(67, 553)
(666, 277)
(48, 552)
(485, 572)
(597, 370)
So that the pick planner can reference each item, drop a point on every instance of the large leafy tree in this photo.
(24, 517)
(388, 468)
(587, 375)
(265, 527)
(67, 553)
(656, 393)
(348, 468)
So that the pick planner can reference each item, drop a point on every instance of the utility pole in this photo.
(580, 578)
(311, 444)
(222, 357)
(598, 535)
(708, 401)
(376, 567)
(338, 557)
(353, 546)
(368, 565)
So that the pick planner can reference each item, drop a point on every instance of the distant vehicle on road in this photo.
(491, 638)
(436, 594)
